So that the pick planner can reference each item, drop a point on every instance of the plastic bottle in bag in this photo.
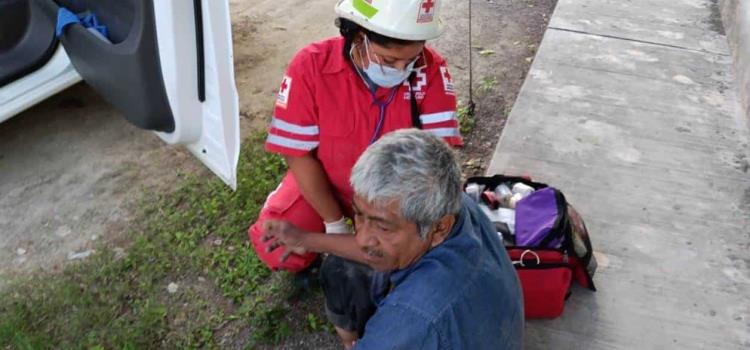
(503, 194)
(522, 188)
(474, 190)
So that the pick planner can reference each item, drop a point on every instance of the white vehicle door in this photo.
(167, 66)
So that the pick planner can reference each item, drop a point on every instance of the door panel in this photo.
(14, 18)
(27, 39)
(167, 67)
(127, 71)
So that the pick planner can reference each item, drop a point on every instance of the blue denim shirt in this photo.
(462, 294)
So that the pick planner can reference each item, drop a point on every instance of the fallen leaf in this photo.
(80, 255)
(486, 52)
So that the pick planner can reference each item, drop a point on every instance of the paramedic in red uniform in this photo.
(340, 95)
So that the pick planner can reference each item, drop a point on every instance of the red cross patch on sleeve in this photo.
(283, 97)
(447, 80)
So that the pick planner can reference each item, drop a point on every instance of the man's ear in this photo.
(442, 229)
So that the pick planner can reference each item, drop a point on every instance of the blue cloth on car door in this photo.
(87, 19)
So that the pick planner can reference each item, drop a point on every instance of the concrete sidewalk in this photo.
(631, 109)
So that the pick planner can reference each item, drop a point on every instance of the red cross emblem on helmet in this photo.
(426, 11)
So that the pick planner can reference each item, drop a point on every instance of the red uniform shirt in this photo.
(323, 106)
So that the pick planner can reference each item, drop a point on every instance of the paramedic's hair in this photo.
(349, 30)
(414, 168)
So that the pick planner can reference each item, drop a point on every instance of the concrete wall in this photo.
(736, 17)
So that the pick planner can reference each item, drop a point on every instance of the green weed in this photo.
(195, 237)
(486, 85)
(465, 120)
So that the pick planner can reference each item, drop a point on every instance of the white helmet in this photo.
(400, 19)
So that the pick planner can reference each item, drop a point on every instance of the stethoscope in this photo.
(382, 105)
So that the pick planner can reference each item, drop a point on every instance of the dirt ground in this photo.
(72, 170)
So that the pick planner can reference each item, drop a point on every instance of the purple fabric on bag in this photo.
(535, 217)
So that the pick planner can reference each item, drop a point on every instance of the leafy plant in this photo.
(487, 84)
(465, 120)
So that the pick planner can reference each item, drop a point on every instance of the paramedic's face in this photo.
(388, 241)
(395, 56)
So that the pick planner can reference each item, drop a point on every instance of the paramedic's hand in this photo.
(282, 233)
(339, 226)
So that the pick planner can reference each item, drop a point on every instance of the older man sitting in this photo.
(436, 274)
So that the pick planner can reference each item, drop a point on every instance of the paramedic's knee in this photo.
(272, 259)
(285, 203)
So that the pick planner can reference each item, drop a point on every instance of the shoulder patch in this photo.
(447, 80)
(283, 97)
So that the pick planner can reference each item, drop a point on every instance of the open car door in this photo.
(166, 65)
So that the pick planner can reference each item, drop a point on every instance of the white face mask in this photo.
(385, 76)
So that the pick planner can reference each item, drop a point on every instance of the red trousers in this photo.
(285, 203)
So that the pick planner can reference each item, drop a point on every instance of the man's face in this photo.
(389, 241)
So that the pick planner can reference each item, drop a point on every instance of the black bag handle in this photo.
(415, 121)
(494, 181)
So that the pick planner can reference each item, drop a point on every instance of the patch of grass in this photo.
(486, 85)
(194, 237)
(465, 120)
(269, 324)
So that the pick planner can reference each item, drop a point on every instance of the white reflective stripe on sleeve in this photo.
(444, 132)
(294, 128)
(437, 117)
(291, 143)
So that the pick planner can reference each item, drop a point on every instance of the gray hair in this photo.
(414, 168)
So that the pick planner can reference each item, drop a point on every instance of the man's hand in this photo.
(295, 240)
(282, 233)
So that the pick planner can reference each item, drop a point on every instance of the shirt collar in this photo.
(337, 62)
